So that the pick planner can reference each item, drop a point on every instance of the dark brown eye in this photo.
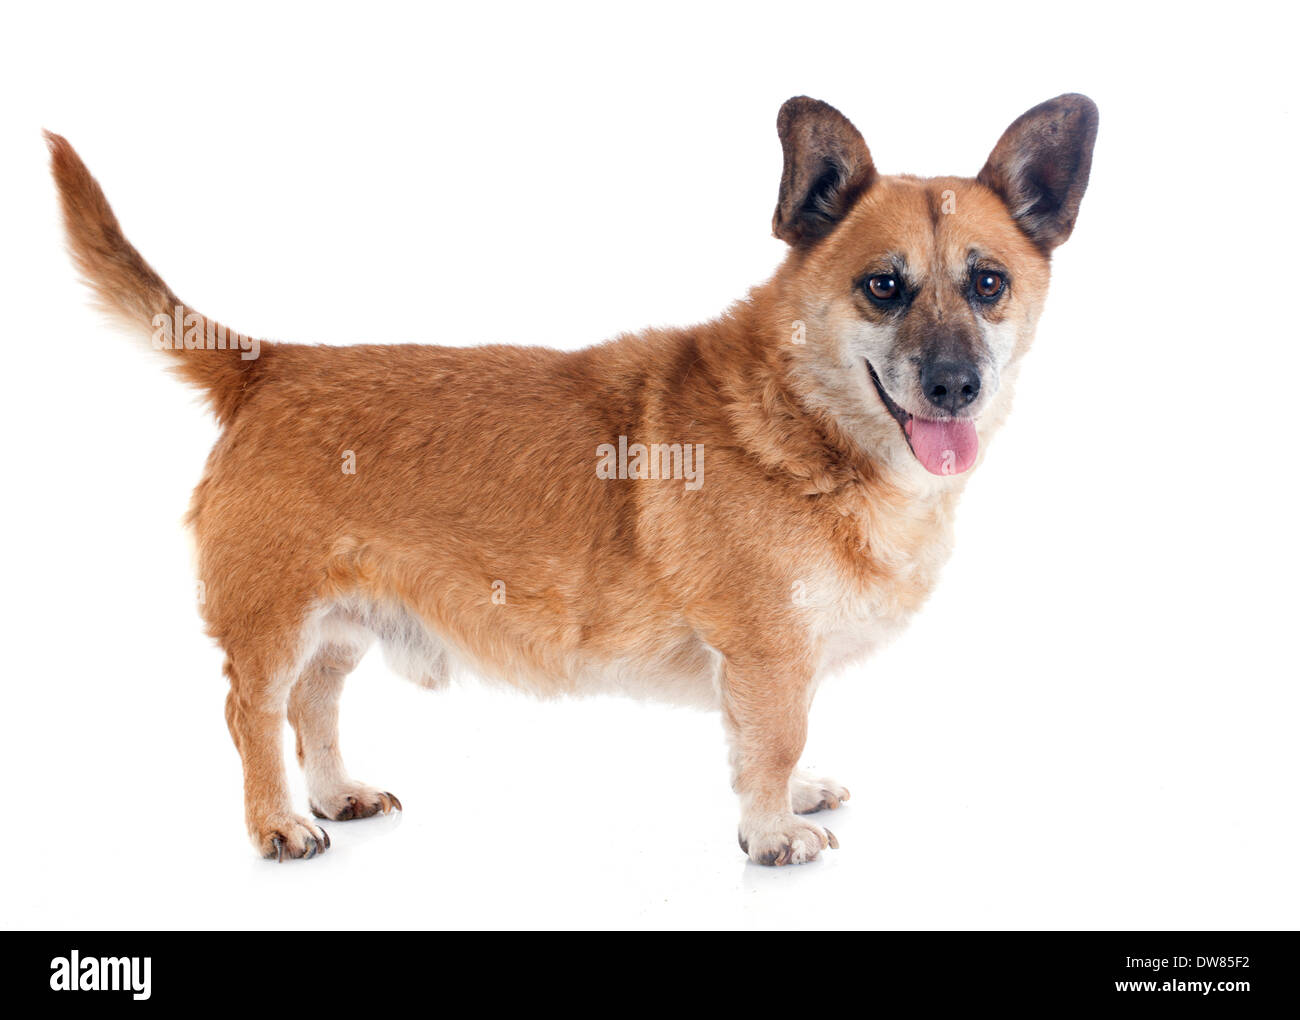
(884, 287)
(988, 284)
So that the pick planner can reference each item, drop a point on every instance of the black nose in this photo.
(950, 385)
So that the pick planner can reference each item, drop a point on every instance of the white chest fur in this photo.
(849, 619)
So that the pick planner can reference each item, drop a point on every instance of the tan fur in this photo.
(476, 532)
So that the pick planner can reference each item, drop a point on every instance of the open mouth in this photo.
(943, 447)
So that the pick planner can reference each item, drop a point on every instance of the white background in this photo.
(1092, 724)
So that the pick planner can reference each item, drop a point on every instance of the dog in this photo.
(546, 518)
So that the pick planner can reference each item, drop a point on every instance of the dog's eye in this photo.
(989, 285)
(884, 287)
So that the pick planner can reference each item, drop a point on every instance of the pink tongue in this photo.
(944, 447)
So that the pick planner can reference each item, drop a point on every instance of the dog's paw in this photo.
(808, 793)
(788, 840)
(282, 836)
(352, 800)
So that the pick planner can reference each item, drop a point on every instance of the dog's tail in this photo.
(223, 364)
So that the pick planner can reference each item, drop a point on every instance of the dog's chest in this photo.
(867, 596)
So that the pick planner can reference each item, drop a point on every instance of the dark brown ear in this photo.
(1040, 166)
(827, 166)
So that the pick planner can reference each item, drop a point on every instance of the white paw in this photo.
(785, 840)
(347, 801)
(282, 835)
(808, 793)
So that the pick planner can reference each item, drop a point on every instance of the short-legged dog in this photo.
(721, 515)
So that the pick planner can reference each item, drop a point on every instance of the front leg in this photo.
(765, 709)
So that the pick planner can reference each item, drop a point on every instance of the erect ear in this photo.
(827, 166)
(1040, 166)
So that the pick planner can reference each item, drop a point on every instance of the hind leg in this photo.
(314, 712)
(255, 714)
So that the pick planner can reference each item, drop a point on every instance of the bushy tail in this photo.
(222, 363)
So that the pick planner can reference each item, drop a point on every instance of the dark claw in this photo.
(396, 803)
(326, 834)
(312, 847)
(278, 841)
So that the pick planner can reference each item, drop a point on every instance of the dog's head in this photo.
(915, 298)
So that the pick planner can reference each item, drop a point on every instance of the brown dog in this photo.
(545, 517)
